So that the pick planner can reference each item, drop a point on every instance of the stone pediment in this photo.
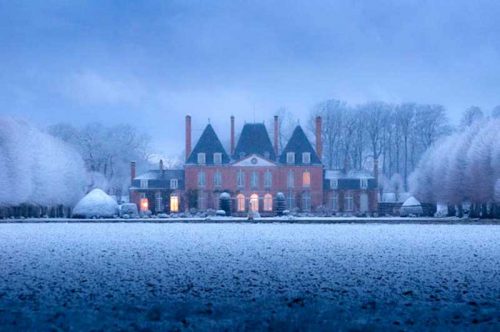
(254, 161)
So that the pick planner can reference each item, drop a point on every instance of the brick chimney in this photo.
(319, 143)
(232, 135)
(188, 136)
(132, 171)
(276, 135)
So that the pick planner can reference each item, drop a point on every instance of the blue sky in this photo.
(149, 63)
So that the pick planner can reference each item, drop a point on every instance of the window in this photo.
(201, 179)
(144, 184)
(306, 179)
(348, 202)
(334, 183)
(290, 179)
(240, 203)
(306, 158)
(290, 157)
(268, 179)
(201, 158)
(290, 200)
(268, 202)
(334, 202)
(240, 179)
(202, 200)
(254, 180)
(174, 203)
(217, 158)
(158, 202)
(306, 201)
(174, 183)
(254, 203)
(363, 183)
(143, 195)
(217, 179)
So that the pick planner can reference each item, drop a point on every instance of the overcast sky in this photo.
(149, 63)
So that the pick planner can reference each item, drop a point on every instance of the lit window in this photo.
(144, 184)
(217, 179)
(334, 183)
(144, 204)
(290, 157)
(306, 179)
(174, 203)
(254, 203)
(268, 202)
(348, 202)
(268, 179)
(334, 202)
(306, 158)
(201, 179)
(306, 201)
(363, 183)
(174, 183)
(240, 200)
(254, 180)
(290, 179)
(201, 158)
(240, 179)
(217, 158)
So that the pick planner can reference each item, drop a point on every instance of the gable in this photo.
(254, 161)
(209, 144)
(298, 144)
(254, 139)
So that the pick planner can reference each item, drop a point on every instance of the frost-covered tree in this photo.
(108, 151)
(36, 168)
(470, 116)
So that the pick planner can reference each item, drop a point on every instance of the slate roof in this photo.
(158, 179)
(349, 181)
(209, 144)
(299, 144)
(254, 139)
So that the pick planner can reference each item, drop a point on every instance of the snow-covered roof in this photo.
(352, 174)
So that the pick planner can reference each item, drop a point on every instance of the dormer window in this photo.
(144, 184)
(174, 183)
(306, 158)
(201, 158)
(363, 183)
(217, 158)
(334, 183)
(290, 157)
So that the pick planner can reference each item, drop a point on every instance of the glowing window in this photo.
(240, 202)
(174, 203)
(144, 204)
(254, 203)
(306, 179)
(268, 202)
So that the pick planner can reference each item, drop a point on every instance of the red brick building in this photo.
(253, 172)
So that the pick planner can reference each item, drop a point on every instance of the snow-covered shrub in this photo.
(411, 207)
(225, 203)
(129, 209)
(220, 213)
(96, 204)
(36, 168)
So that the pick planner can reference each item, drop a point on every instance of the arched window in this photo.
(254, 203)
(240, 203)
(268, 202)
(306, 179)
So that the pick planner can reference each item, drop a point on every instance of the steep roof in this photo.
(254, 139)
(158, 179)
(299, 144)
(209, 144)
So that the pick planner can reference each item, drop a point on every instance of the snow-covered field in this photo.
(249, 276)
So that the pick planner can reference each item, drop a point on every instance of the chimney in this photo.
(188, 136)
(276, 135)
(319, 144)
(232, 135)
(132, 171)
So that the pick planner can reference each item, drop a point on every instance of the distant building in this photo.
(252, 172)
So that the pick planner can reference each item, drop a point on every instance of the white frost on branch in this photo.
(37, 168)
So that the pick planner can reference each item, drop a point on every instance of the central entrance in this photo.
(254, 203)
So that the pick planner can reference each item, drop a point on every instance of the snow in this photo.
(96, 204)
(249, 277)
(411, 201)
